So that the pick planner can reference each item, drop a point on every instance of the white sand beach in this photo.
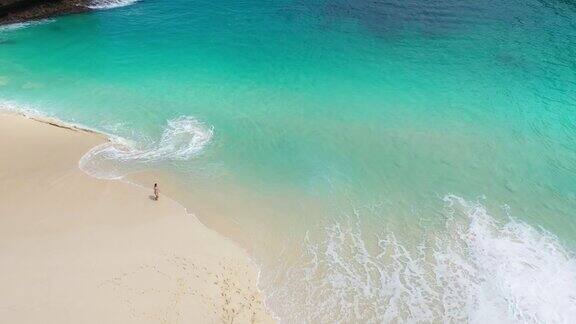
(75, 249)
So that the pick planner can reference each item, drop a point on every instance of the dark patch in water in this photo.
(55, 27)
(560, 6)
(510, 60)
(390, 16)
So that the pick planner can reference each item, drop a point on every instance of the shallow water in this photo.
(381, 160)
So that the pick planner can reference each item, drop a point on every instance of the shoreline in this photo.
(222, 259)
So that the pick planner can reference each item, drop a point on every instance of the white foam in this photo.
(182, 139)
(29, 111)
(532, 275)
(109, 4)
(477, 270)
(21, 25)
(17, 108)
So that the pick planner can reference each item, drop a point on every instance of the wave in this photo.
(477, 270)
(109, 4)
(182, 139)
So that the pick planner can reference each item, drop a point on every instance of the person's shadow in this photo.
(152, 197)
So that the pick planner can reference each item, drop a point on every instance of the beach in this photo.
(363, 161)
(76, 249)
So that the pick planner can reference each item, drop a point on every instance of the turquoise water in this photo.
(411, 161)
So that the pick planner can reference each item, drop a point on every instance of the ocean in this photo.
(381, 161)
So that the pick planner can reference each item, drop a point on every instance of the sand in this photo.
(75, 249)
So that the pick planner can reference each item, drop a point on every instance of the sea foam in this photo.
(477, 270)
(21, 25)
(109, 4)
(182, 139)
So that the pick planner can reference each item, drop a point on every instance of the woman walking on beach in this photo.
(156, 192)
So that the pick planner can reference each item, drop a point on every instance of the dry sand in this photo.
(75, 249)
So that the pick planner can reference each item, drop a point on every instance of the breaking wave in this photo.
(477, 270)
(182, 139)
(109, 4)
